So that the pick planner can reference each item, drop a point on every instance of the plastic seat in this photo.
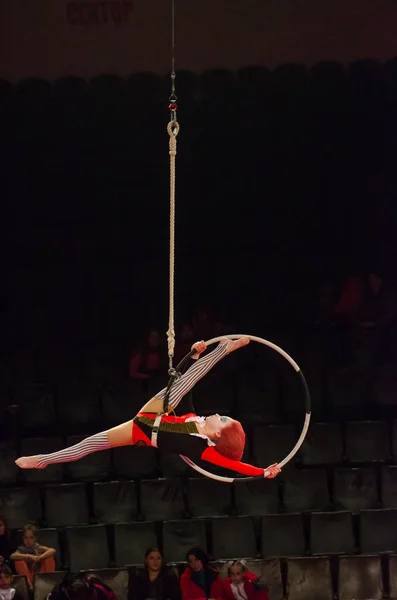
(8, 469)
(20, 505)
(78, 406)
(252, 84)
(180, 536)
(355, 489)
(142, 534)
(121, 401)
(36, 407)
(44, 583)
(323, 445)
(332, 533)
(272, 443)
(282, 535)
(32, 446)
(258, 399)
(360, 577)
(145, 87)
(306, 491)
(392, 559)
(257, 497)
(33, 93)
(94, 467)
(233, 537)
(291, 394)
(309, 579)
(207, 497)
(49, 538)
(394, 439)
(115, 502)
(66, 505)
(389, 487)
(87, 547)
(171, 465)
(367, 441)
(217, 85)
(385, 386)
(20, 584)
(133, 462)
(348, 391)
(69, 88)
(213, 394)
(162, 500)
(378, 531)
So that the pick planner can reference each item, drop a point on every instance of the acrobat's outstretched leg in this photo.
(122, 434)
(188, 380)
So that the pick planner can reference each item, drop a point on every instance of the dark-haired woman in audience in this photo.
(5, 542)
(155, 581)
(242, 585)
(199, 580)
(31, 557)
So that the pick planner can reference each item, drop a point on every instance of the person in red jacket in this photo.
(217, 439)
(242, 585)
(199, 581)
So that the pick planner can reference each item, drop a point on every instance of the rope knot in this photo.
(173, 129)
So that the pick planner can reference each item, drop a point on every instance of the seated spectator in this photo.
(31, 557)
(366, 309)
(7, 592)
(242, 585)
(184, 342)
(361, 301)
(199, 580)
(78, 586)
(155, 581)
(150, 359)
(5, 542)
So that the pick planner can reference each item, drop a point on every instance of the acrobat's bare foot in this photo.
(29, 462)
(233, 345)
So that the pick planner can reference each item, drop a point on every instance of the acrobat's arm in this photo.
(211, 455)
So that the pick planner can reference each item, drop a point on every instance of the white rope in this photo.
(173, 130)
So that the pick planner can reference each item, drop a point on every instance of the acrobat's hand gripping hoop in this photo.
(304, 385)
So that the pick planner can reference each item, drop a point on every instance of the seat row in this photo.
(320, 578)
(353, 443)
(161, 499)
(293, 534)
(265, 395)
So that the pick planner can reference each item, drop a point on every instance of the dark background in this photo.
(285, 182)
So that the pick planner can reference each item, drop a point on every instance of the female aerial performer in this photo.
(215, 439)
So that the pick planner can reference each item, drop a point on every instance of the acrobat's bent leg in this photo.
(186, 382)
(112, 438)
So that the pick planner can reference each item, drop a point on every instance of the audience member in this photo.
(79, 586)
(5, 542)
(31, 557)
(242, 585)
(155, 581)
(7, 592)
(366, 310)
(199, 580)
(150, 359)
